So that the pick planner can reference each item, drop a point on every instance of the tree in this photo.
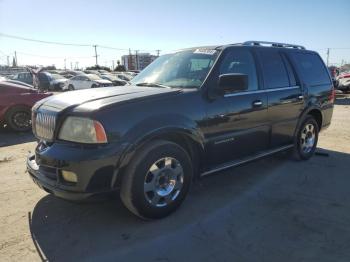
(120, 68)
(97, 67)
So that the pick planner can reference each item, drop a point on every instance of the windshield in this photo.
(93, 77)
(184, 69)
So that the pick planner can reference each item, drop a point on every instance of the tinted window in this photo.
(292, 80)
(240, 61)
(311, 68)
(43, 77)
(274, 70)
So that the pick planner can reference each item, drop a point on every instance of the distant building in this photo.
(137, 62)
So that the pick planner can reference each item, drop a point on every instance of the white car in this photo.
(86, 81)
(344, 81)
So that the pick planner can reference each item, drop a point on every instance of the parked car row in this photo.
(55, 80)
(48, 81)
(341, 80)
(85, 81)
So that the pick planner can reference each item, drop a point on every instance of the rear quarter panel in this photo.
(316, 96)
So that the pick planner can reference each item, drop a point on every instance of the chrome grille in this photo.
(44, 125)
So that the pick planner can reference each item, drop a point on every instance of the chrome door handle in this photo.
(257, 103)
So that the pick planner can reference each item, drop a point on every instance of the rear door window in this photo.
(273, 68)
(311, 68)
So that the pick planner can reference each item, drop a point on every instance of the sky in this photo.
(165, 25)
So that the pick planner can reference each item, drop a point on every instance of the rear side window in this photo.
(274, 70)
(311, 68)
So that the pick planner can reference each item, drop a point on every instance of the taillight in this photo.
(332, 96)
(346, 76)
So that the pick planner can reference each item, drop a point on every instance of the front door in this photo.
(237, 124)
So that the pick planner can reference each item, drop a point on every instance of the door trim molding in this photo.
(244, 160)
(262, 91)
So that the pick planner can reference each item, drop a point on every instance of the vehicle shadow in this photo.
(218, 210)
(9, 137)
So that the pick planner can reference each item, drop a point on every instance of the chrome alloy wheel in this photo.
(163, 182)
(307, 138)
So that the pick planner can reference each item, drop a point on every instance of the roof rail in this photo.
(273, 44)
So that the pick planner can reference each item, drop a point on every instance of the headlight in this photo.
(82, 130)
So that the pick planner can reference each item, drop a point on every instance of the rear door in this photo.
(237, 122)
(284, 95)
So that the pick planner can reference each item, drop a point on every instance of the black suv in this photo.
(188, 114)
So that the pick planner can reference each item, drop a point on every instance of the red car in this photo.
(16, 102)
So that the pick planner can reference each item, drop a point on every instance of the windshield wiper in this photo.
(152, 84)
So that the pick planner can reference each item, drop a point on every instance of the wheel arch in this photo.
(315, 112)
(189, 140)
(11, 107)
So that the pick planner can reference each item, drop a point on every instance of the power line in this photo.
(40, 41)
(114, 48)
(61, 43)
(55, 57)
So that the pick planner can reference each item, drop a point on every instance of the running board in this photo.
(245, 160)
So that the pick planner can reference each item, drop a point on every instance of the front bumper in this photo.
(96, 169)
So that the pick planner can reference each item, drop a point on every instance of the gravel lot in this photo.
(275, 209)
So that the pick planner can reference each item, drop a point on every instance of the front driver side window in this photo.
(240, 61)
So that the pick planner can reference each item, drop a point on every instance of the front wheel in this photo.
(71, 88)
(306, 140)
(156, 180)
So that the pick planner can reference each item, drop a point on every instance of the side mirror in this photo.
(230, 83)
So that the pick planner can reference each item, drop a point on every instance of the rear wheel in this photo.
(71, 88)
(19, 118)
(156, 180)
(306, 140)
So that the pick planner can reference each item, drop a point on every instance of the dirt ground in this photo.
(275, 209)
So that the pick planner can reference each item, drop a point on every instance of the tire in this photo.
(156, 180)
(93, 86)
(19, 118)
(306, 139)
(71, 88)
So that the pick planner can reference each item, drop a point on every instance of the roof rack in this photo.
(273, 44)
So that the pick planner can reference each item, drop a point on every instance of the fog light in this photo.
(69, 176)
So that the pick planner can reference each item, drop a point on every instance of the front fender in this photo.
(158, 126)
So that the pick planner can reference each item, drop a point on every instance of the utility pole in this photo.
(65, 64)
(112, 65)
(8, 61)
(95, 46)
(71, 65)
(137, 59)
(16, 58)
(327, 56)
(158, 52)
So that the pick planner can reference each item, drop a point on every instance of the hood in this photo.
(93, 99)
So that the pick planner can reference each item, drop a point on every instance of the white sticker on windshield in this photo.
(204, 51)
